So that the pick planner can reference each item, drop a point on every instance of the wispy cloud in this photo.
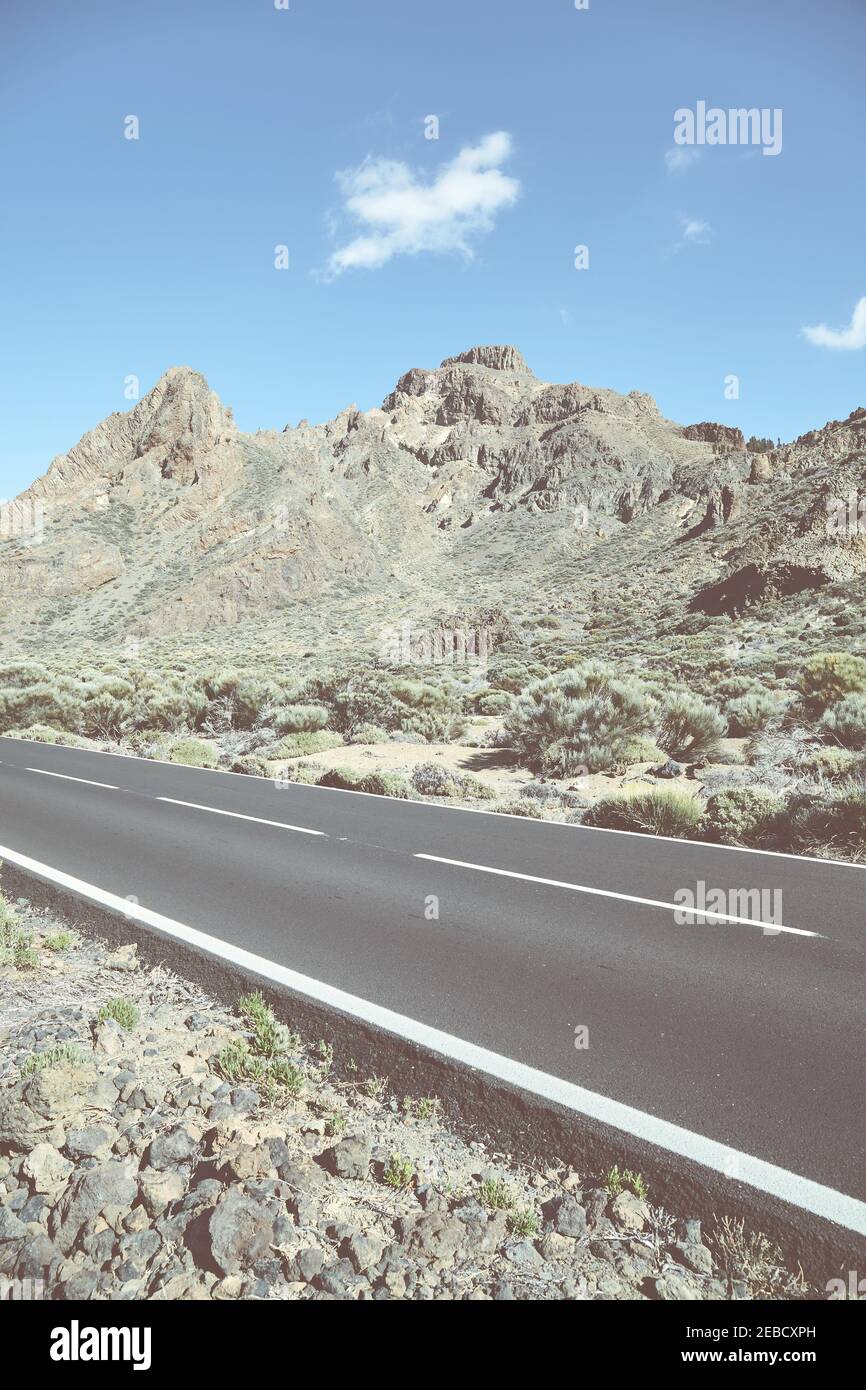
(694, 231)
(850, 338)
(564, 316)
(402, 214)
(681, 157)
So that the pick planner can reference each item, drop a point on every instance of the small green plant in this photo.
(619, 1180)
(123, 1011)
(232, 1061)
(15, 945)
(193, 752)
(495, 1194)
(523, 1221)
(63, 1054)
(60, 941)
(422, 1107)
(375, 1086)
(264, 1060)
(335, 1124)
(399, 1172)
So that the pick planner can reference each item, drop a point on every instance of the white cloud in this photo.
(850, 338)
(401, 214)
(694, 231)
(681, 157)
(564, 316)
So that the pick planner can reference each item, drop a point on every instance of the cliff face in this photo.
(469, 481)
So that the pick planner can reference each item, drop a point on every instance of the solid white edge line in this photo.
(236, 815)
(67, 777)
(621, 897)
(821, 1201)
(467, 810)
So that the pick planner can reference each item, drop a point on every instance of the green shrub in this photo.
(344, 778)
(748, 714)
(656, 810)
(519, 806)
(296, 719)
(690, 729)
(432, 779)
(743, 816)
(845, 721)
(385, 784)
(831, 823)
(492, 702)
(829, 677)
(302, 744)
(192, 752)
(369, 733)
(581, 719)
(106, 715)
(123, 1011)
(251, 765)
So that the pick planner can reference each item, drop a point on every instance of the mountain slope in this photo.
(473, 484)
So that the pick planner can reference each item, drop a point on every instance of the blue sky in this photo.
(123, 257)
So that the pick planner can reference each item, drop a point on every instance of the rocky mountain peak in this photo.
(501, 357)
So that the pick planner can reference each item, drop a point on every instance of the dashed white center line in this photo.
(698, 914)
(236, 815)
(109, 786)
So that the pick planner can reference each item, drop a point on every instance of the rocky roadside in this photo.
(154, 1145)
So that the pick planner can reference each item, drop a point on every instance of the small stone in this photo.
(630, 1213)
(567, 1217)
(158, 1189)
(694, 1256)
(365, 1251)
(45, 1168)
(89, 1142)
(351, 1156)
(240, 1231)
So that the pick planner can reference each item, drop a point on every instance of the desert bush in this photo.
(829, 821)
(518, 806)
(829, 677)
(492, 702)
(106, 715)
(749, 713)
(743, 816)
(845, 721)
(395, 703)
(169, 710)
(302, 744)
(385, 784)
(344, 778)
(40, 704)
(250, 764)
(582, 718)
(689, 728)
(475, 790)
(192, 752)
(369, 733)
(656, 810)
(432, 779)
(295, 719)
(42, 733)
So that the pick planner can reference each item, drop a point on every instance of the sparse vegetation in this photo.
(123, 1011)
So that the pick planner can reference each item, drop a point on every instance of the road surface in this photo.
(505, 932)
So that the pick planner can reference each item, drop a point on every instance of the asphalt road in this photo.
(752, 1039)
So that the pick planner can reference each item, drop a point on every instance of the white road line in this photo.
(66, 778)
(265, 783)
(789, 1187)
(215, 810)
(700, 913)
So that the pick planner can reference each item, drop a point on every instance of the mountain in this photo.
(475, 484)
